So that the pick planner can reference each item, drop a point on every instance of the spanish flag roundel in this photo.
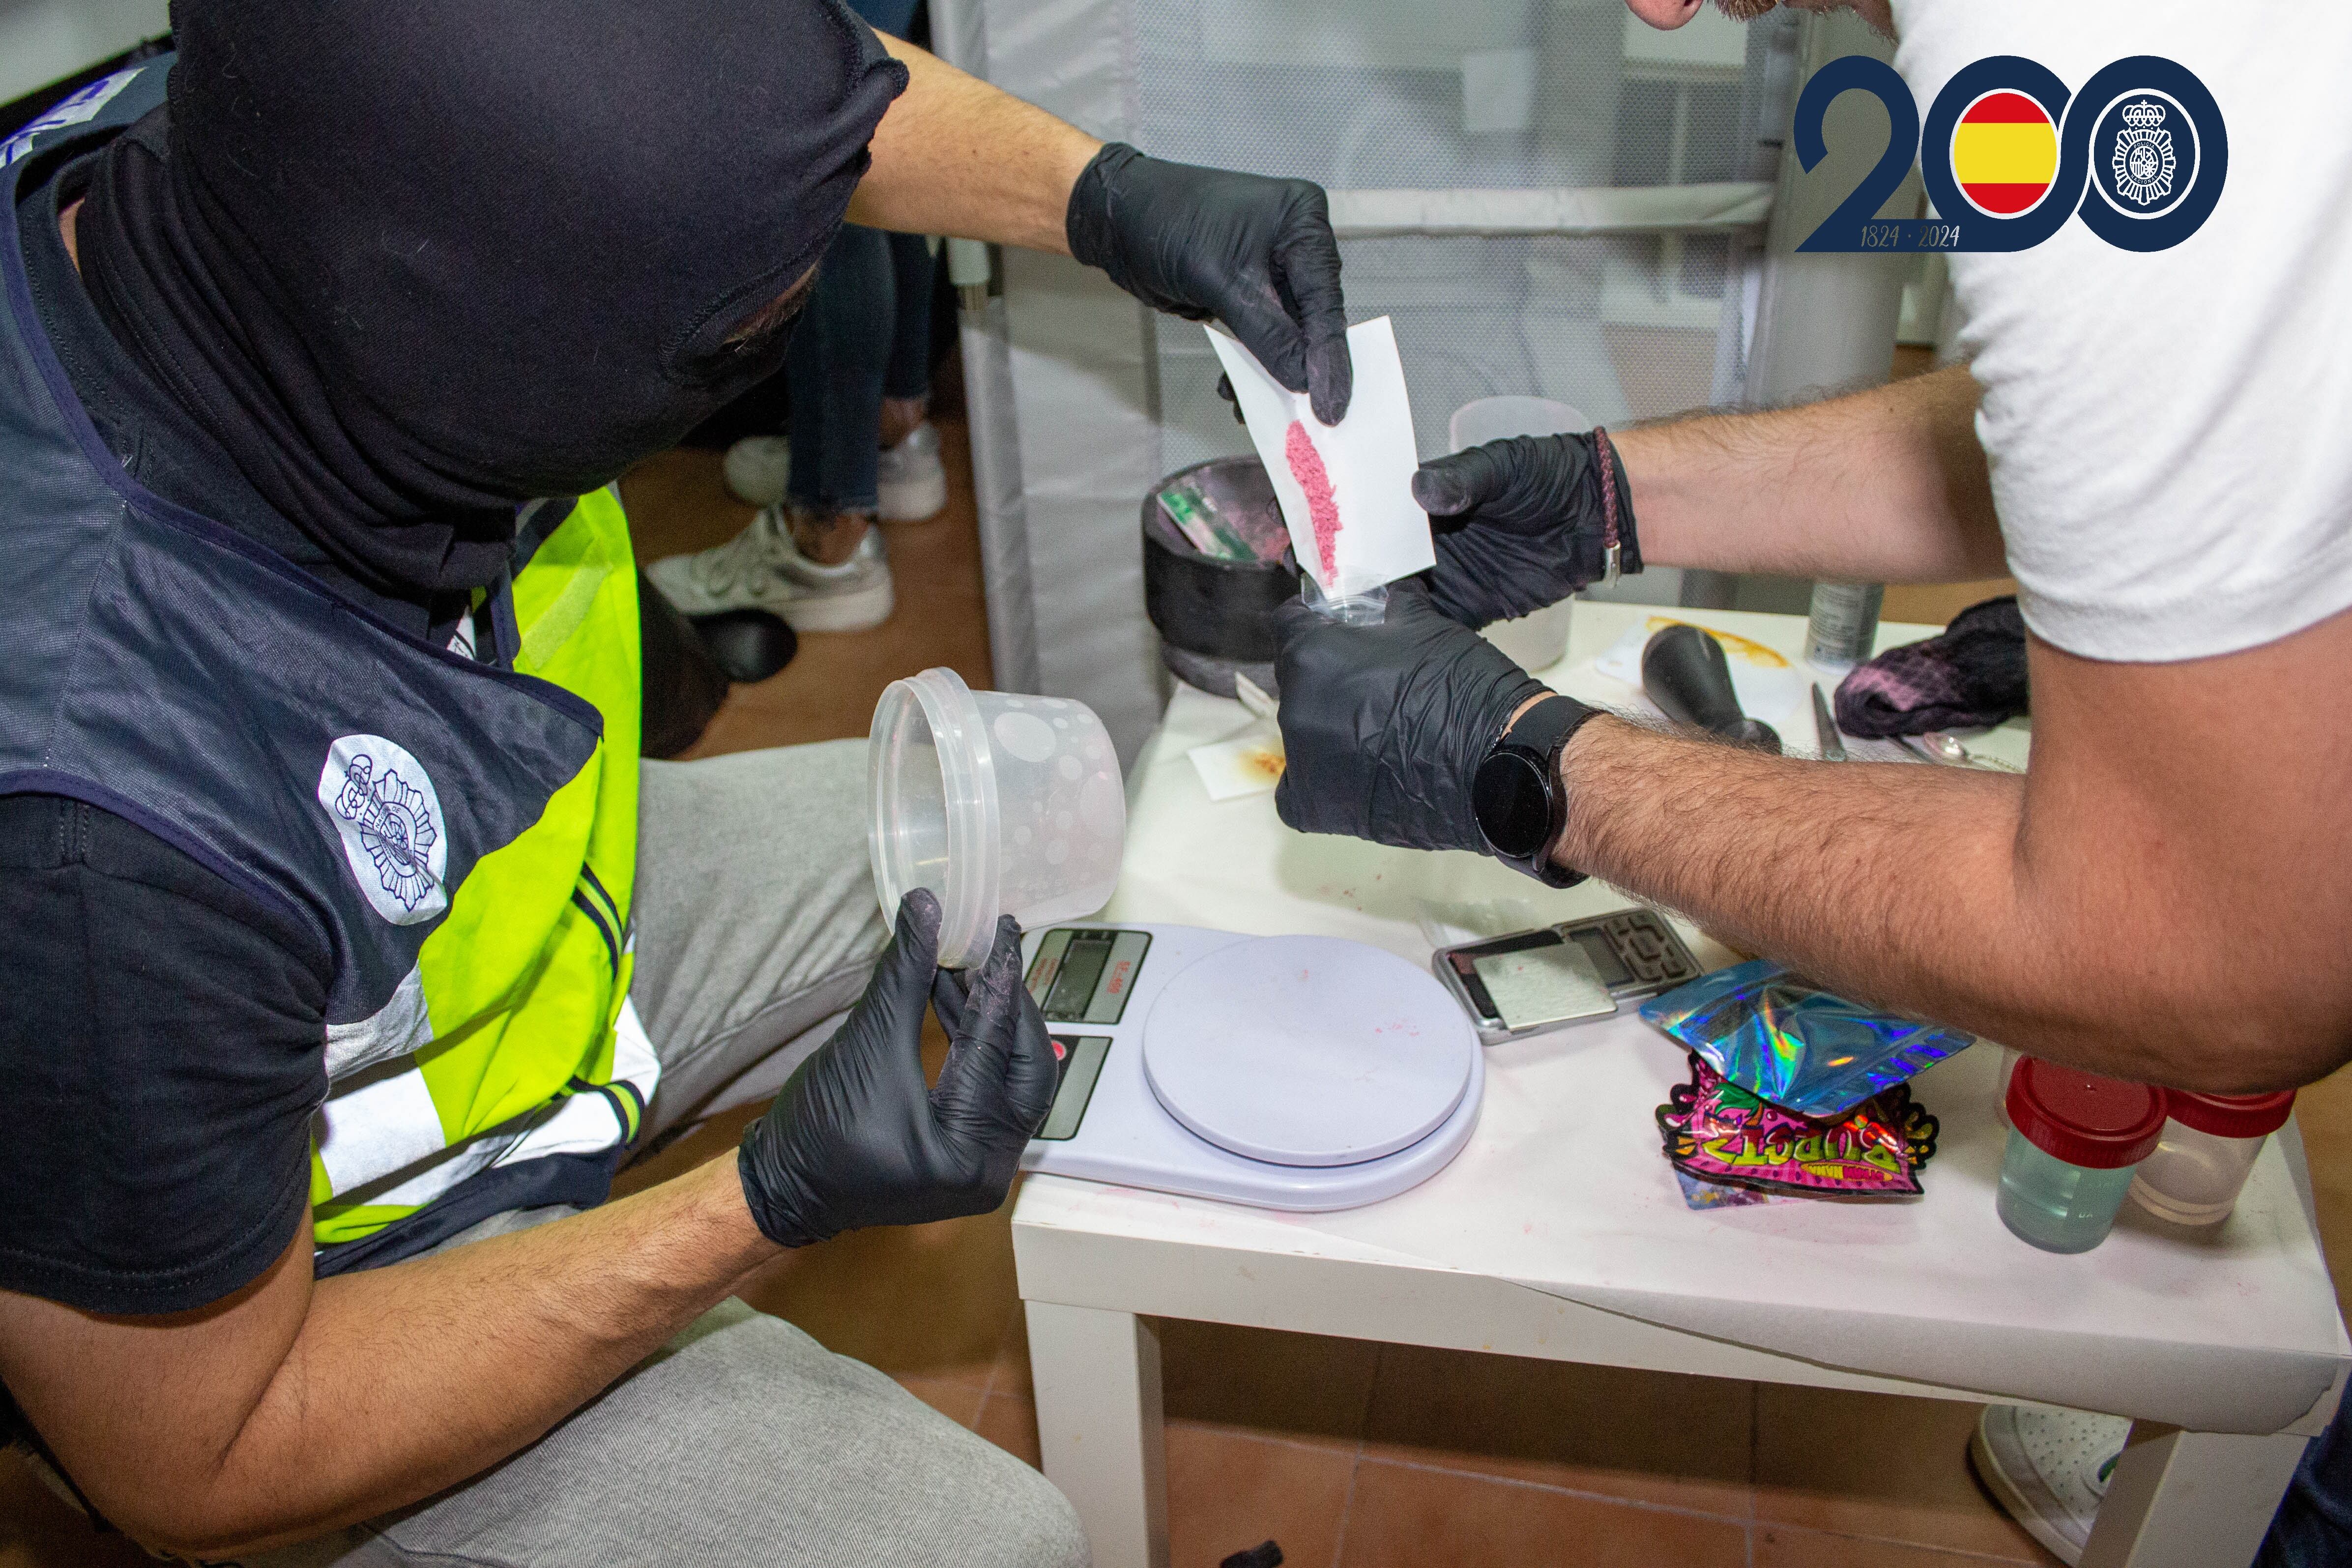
(2004, 154)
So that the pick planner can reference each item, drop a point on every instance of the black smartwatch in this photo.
(1517, 795)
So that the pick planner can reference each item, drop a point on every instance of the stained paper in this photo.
(1346, 489)
(1248, 764)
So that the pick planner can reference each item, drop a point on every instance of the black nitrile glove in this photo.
(1385, 726)
(1256, 253)
(856, 1139)
(1523, 524)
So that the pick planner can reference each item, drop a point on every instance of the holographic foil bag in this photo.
(1785, 1039)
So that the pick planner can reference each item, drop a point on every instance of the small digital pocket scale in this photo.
(1291, 1072)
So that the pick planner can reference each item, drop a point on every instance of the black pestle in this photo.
(1684, 673)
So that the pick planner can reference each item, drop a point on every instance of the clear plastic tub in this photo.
(2073, 1141)
(2210, 1142)
(999, 805)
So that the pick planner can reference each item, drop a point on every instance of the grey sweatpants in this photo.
(742, 1441)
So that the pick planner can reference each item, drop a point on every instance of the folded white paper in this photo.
(1248, 764)
(1346, 489)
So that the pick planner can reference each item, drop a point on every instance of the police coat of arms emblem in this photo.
(386, 811)
(2144, 162)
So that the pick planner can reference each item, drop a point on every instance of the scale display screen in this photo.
(1085, 976)
(1080, 1061)
(1603, 953)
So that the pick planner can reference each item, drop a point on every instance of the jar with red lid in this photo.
(2076, 1141)
(2209, 1144)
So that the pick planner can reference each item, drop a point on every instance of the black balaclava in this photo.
(412, 263)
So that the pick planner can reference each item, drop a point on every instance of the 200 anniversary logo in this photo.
(2008, 154)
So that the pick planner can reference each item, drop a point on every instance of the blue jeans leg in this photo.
(2313, 1527)
(908, 374)
(834, 371)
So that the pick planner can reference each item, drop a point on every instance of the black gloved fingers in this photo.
(1257, 316)
(1459, 482)
(902, 982)
(1233, 399)
(972, 1081)
(1309, 257)
(950, 989)
(1033, 1073)
(1528, 484)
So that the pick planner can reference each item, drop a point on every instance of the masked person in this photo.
(859, 381)
(2176, 503)
(350, 946)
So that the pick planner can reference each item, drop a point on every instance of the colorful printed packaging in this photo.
(1718, 1133)
(1779, 1036)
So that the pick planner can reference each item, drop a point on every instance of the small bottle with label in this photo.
(1844, 627)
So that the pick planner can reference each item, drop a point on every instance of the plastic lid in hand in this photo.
(2099, 1123)
(2230, 1115)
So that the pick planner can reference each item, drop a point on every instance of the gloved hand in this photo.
(856, 1139)
(1524, 523)
(1385, 726)
(1256, 253)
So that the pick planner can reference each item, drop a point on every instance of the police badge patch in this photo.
(2143, 161)
(2144, 152)
(383, 807)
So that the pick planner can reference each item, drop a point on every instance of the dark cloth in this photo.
(167, 1028)
(908, 374)
(411, 268)
(161, 1031)
(849, 347)
(2313, 1527)
(158, 443)
(1972, 677)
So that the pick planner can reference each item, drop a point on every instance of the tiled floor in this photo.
(1351, 1455)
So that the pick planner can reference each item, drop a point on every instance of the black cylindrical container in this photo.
(1213, 616)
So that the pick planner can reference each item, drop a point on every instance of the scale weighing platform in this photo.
(1290, 1072)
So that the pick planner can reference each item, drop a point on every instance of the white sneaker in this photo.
(762, 568)
(910, 485)
(758, 468)
(2050, 1469)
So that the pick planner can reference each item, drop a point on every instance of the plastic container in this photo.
(1533, 642)
(999, 805)
(1215, 616)
(2008, 1057)
(2211, 1142)
(2075, 1139)
(1499, 418)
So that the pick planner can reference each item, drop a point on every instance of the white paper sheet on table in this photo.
(1369, 457)
(1563, 1189)
(1248, 764)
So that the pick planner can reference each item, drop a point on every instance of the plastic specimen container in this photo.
(2074, 1141)
(1000, 805)
(2209, 1144)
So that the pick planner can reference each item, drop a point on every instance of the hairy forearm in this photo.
(406, 1380)
(1926, 889)
(956, 156)
(1884, 485)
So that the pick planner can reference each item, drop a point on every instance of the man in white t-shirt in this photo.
(2159, 445)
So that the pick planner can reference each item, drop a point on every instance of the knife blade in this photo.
(1826, 738)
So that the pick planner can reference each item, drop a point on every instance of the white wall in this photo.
(42, 41)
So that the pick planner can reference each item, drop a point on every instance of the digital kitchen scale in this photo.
(1291, 1072)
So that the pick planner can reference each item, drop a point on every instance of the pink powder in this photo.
(1322, 506)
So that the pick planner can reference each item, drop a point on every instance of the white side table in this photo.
(1559, 1232)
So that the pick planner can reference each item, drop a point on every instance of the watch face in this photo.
(1512, 802)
